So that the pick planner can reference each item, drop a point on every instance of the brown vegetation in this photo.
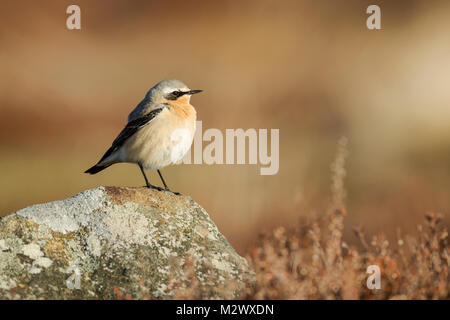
(313, 261)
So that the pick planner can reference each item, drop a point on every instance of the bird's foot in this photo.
(150, 186)
(168, 190)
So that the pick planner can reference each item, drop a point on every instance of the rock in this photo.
(118, 243)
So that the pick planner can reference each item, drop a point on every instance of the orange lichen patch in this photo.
(14, 225)
(120, 295)
(55, 249)
(29, 225)
(143, 195)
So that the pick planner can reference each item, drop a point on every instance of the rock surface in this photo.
(118, 243)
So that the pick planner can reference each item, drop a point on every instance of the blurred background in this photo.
(309, 68)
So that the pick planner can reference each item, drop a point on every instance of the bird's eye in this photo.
(175, 95)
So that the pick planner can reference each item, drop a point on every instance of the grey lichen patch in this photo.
(11, 244)
(111, 243)
(127, 226)
(66, 215)
(32, 250)
(7, 283)
(9, 264)
(95, 246)
(43, 262)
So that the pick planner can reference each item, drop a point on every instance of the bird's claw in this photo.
(162, 189)
(154, 187)
(168, 190)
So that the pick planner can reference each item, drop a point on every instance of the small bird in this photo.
(159, 131)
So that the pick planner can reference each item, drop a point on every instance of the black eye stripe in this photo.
(175, 95)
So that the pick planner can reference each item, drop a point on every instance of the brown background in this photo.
(310, 68)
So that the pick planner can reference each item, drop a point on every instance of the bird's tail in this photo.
(97, 168)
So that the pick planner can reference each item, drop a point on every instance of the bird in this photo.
(159, 132)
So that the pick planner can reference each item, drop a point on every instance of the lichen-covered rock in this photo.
(118, 243)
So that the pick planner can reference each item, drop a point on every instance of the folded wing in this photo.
(131, 128)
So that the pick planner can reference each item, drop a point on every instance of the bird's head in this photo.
(171, 90)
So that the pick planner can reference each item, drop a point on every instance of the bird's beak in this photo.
(191, 92)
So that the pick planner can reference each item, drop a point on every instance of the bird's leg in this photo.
(148, 185)
(162, 179)
(145, 177)
(165, 185)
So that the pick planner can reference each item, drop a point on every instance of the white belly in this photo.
(182, 140)
(157, 145)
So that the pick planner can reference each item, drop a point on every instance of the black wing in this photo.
(131, 128)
